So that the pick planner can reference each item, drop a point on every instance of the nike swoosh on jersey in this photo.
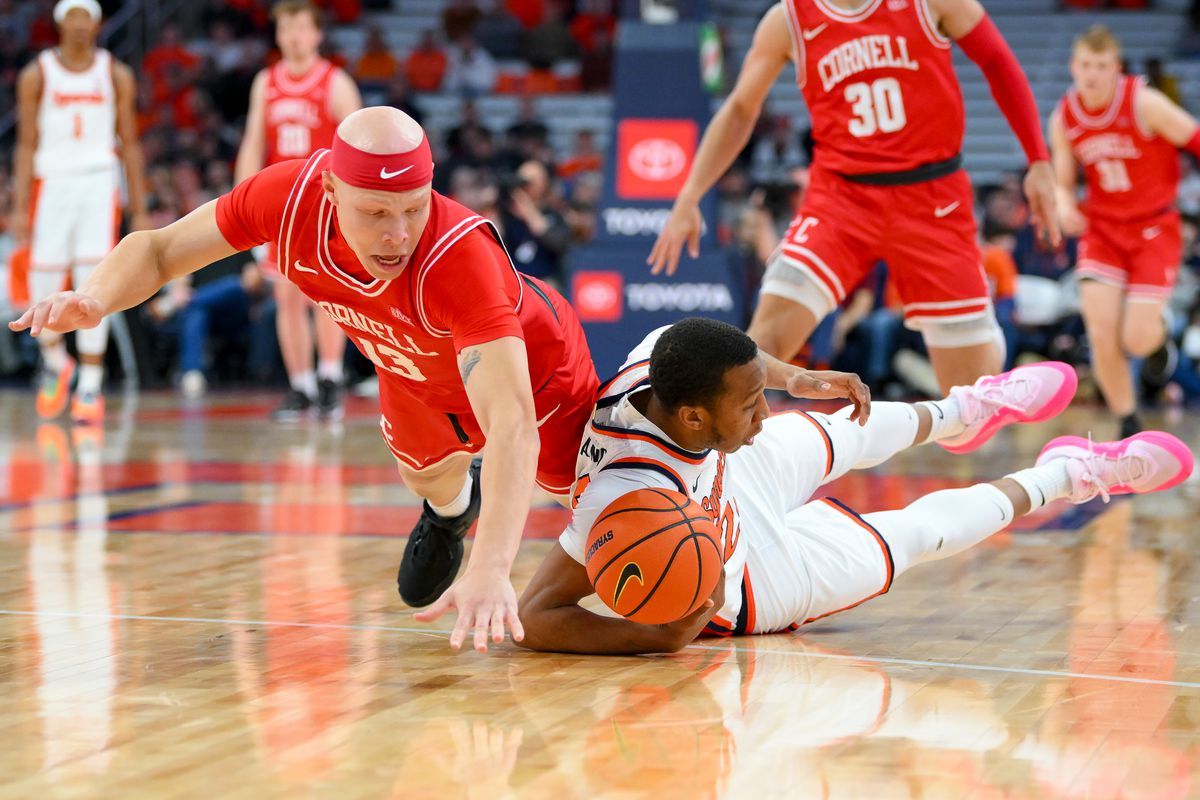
(813, 33)
(387, 176)
(298, 266)
(944, 210)
(554, 410)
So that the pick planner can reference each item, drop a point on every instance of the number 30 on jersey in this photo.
(877, 107)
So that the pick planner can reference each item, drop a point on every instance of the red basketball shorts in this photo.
(1140, 256)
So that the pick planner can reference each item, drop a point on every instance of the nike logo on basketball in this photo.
(300, 267)
(944, 210)
(630, 572)
(387, 176)
(813, 33)
(1151, 232)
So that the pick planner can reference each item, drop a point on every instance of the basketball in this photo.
(654, 556)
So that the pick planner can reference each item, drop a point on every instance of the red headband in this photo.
(397, 172)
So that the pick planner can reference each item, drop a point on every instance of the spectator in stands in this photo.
(498, 31)
(223, 48)
(470, 70)
(343, 11)
(596, 66)
(238, 18)
(777, 152)
(1188, 198)
(468, 121)
(550, 42)
(42, 31)
(1001, 271)
(592, 16)
(1157, 77)
(459, 19)
(169, 55)
(534, 231)
(224, 309)
(528, 12)
(426, 65)
(398, 95)
(585, 157)
(376, 65)
(529, 131)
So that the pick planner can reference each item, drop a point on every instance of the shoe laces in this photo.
(1013, 393)
(1125, 468)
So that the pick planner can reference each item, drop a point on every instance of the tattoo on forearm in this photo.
(470, 359)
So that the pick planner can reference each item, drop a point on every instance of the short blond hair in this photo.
(286, 8)
(1098, 39)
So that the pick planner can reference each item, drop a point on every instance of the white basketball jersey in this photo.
(622, 451)
(77, 117)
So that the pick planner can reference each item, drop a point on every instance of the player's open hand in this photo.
(1043, 201)
(830, 385)
(61, 312)
(683, 227)
(684, 631)
(484, 599)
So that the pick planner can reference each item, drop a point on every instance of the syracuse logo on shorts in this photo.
(653, 157)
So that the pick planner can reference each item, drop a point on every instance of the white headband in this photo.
(63, 6)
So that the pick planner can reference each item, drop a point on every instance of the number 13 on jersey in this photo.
(877, 107)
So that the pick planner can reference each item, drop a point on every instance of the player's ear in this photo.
(328, 186)
(692, 416)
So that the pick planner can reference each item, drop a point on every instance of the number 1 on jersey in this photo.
(877, 106)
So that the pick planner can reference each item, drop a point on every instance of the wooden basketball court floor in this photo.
(201, 603)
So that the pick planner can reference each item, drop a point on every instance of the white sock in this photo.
(459, 504)
(942, 524)
(91, 377)
(305, 382)
(947, 419)
(54, 356)
(1044, 484)
(330, 370)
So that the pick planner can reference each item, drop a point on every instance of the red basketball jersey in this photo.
(459, 288)
(1130, 172)
(298, 116)
(879, 85)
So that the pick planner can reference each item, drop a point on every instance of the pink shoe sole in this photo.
(1174, 447)
(1006, 416)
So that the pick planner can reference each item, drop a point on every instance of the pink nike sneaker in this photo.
(1031, 393)
(1145, 462)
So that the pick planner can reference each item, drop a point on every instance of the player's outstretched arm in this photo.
(496, 377)
(724, 138)
(966, 22)
(555, 622)
(819, 385)
(141, 264)
(29, 92)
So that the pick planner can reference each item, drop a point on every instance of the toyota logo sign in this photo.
(657, 159)
(653, 156)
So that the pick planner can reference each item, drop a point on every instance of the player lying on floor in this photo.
(687, 413)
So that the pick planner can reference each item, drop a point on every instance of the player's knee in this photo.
(954, 334)
(1141, 342)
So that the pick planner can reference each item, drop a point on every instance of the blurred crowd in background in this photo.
(194, 87)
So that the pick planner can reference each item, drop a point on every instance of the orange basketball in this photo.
(654, 556)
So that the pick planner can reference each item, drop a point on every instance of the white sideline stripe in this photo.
(906, 662)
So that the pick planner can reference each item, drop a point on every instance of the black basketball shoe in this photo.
(329, 400)
(293, 408)
(435, 550)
